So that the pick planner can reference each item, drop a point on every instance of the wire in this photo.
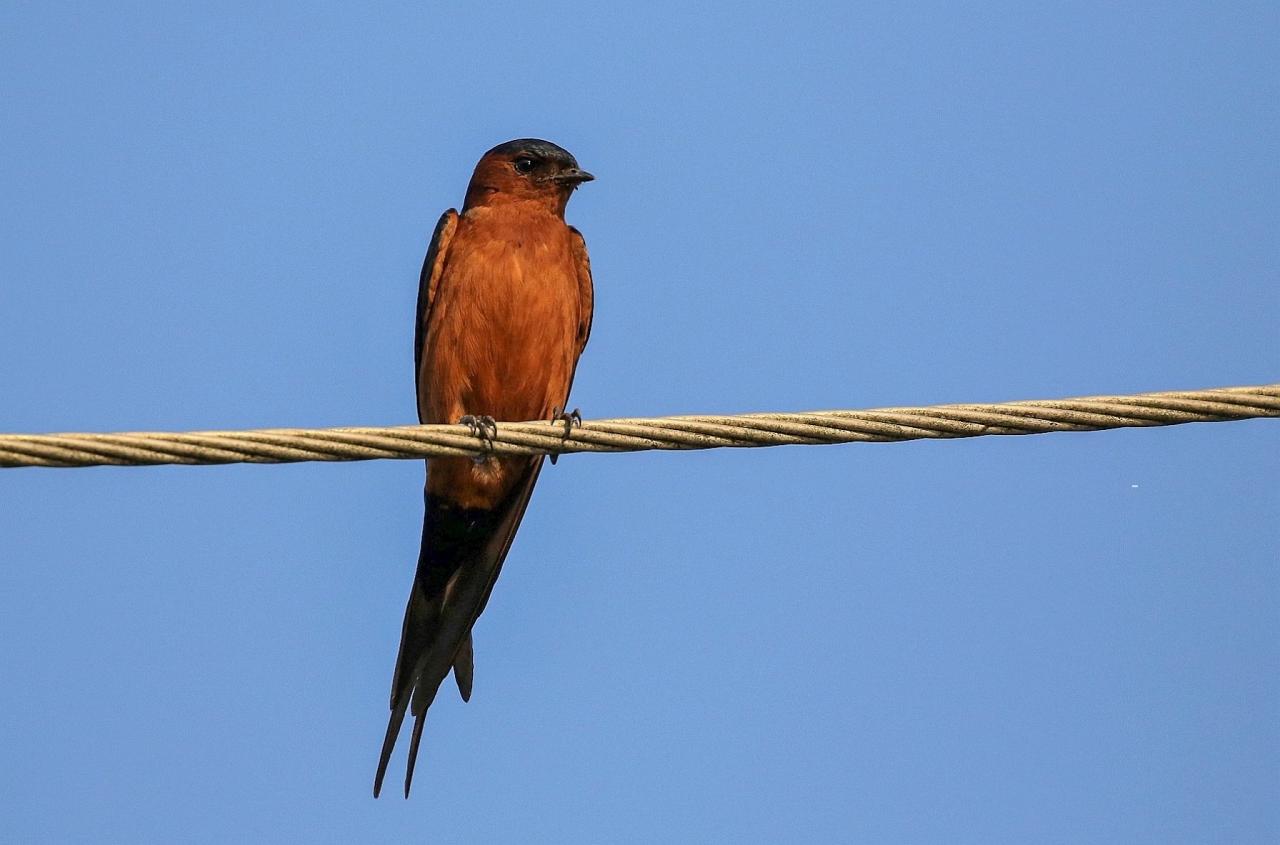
(291, 445)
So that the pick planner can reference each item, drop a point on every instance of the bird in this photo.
(505, 302)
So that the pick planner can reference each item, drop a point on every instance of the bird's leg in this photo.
(570, 419)
(485, 427)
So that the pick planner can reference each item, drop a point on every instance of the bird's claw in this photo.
(570, 419)
(484, 427)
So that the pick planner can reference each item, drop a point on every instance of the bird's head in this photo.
(526, 170)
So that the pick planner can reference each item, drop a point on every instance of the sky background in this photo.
(215, 218)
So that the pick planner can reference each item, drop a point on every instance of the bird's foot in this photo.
(570, 419)
(484, 427)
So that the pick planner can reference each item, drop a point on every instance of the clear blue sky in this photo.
(215, 219)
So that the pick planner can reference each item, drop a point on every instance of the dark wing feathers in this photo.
(419, 607)
(586, 290)
(432, 270)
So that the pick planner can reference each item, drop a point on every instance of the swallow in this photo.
(504, 311)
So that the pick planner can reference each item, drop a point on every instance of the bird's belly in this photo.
(525, 372)
(505, 345)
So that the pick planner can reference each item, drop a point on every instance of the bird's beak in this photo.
(572, 176)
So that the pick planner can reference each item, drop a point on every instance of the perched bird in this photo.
(504, 311)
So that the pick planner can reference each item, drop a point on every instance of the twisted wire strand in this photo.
(704, 431)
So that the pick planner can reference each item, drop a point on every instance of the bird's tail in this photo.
(462, 553)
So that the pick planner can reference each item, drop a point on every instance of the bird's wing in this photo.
(428, 286)
(586, 290)
(402, 682)
(586, 305)
(432, 270)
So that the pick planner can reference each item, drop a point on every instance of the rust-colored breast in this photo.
(502, 337)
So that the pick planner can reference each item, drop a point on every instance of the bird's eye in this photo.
(524, 164)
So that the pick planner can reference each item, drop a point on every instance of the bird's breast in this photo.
(502, 334)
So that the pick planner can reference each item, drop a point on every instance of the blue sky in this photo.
(215, 219)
